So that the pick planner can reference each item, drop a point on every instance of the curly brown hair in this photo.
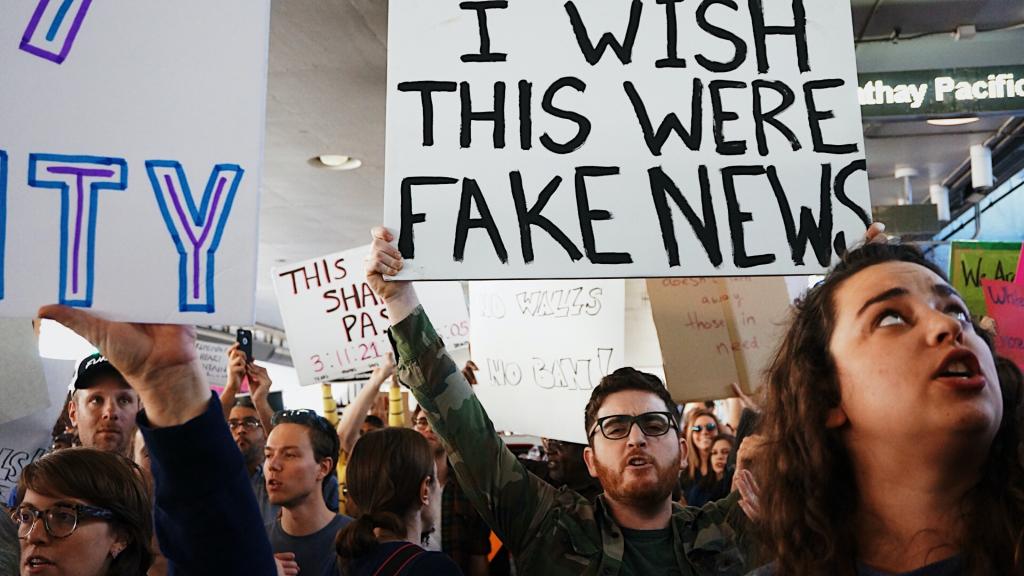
(809, 499)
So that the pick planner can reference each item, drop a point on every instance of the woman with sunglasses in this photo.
(891, 446)
(82, 512)
(701, 430)
(392, 479)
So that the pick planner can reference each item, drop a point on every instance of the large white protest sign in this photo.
(335, 323)
(24, 440)
(131, 138)
(542, 347)
(539, 139)
(715, 332)
(23, 383)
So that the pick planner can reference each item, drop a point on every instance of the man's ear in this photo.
(73, 410)
(683, 450)
(590, 460)
(326, 465)
(836, 418)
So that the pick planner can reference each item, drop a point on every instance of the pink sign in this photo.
(1005, 303)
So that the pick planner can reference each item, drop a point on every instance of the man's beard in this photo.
(647, 495)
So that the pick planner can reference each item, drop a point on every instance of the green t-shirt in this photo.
(649, 552)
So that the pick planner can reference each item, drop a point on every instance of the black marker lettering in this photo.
(815, 116)
(592, 53)
(548, 106)
(737, 217)
(406, 245)
(481, 8)
(819, 234)
(721, 116)
(672, 60)
(531, 216)
(670, 124)
(496, 115)
(471, 193)
(706, 229)
(588, 216)
(761, 32)
(761, 117)
(426, 90)
(739, 46)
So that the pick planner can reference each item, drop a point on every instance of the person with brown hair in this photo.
(392, 478)
(890, 445)
(634, 449)
(85, 512)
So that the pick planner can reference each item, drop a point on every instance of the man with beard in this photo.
(103, 406)
(463, 535)
(634, 450)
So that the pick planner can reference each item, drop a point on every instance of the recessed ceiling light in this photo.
(336, 162)
(953, 121)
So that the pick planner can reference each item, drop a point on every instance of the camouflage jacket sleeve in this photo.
(511, 501)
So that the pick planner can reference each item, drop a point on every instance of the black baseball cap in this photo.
(92, 368)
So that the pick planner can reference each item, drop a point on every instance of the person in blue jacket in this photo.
(207, 520)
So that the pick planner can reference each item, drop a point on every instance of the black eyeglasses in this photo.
(710, 427)
(248, 423)
(59, 521)
(618, 426)
(303, 416)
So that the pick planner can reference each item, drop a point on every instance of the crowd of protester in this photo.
(885, 440)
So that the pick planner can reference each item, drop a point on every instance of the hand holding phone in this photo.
(244, 339)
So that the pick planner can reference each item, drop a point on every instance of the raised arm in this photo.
(236, 371)
(202, 487)
(355, 413)
(259, 384)
(509, 499)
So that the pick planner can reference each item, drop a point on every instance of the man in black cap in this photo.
(103, 406)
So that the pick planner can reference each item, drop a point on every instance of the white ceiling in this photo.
(326, 94)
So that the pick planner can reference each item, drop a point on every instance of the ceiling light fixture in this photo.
(336, 162)
(953, 121)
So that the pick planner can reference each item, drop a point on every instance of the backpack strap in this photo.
(399, 559)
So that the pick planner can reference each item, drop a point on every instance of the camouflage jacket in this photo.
(548, 531)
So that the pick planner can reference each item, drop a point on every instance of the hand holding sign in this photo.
(158, 361)
(385, 259)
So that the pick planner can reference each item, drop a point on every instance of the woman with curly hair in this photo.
(891, 446)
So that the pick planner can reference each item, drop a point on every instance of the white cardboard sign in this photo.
(542, 347)
(617, 138)
(336, 325)
(23, 383)
(26, 439)
(131, 138)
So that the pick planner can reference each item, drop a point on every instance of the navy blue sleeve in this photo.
(207, 520)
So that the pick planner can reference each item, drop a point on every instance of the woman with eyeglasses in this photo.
(82, 512)
(891, 446)
(701, 430)
(392, 478)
